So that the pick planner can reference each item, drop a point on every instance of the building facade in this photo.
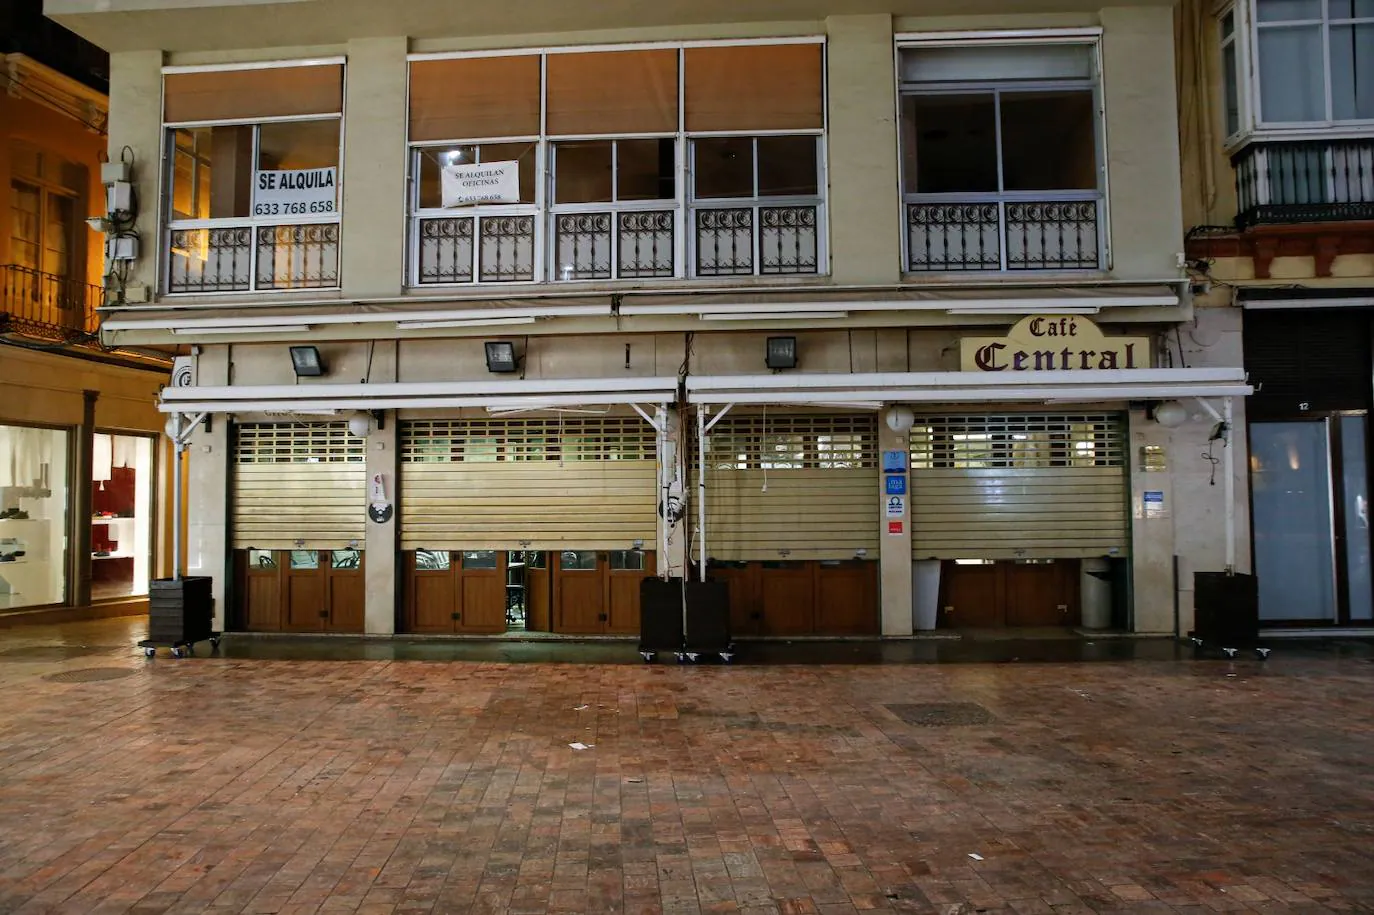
(874, 315)
(1278, 145)
(79, 426)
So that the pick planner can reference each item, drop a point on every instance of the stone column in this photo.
(894, 553)
(208, 537)
(380, 549)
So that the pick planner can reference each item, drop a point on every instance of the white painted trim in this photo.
(1004, 380)
(772, 315)
(115, 323)
(1307, 304)
(265, 329)
(256, 65)
(1002, 36)
(626, 46)
(967, 306)
(493, 387)
(488, 322)
(491, 402)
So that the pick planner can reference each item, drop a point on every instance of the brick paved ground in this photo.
(241, 785)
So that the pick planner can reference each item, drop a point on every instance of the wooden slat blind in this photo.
(754, 87)
(610, 92)
(258, 93)
(800, 486)
(1019, 486)
(474, 98)
(588, 483)
(298, 482)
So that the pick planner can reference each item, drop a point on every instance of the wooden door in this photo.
(304, 586)
(481, 591)
(1038, 593)
(431, 601)
(742, 579)
(538, 591)
(625, 570)
(974, 595)
(260, 590)
(579, 592)
(847, 597)
(346, 591)
(787, 591)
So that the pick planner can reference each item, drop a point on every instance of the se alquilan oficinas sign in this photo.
(1053, 343)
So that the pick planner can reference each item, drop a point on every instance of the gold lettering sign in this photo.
(1053, 343)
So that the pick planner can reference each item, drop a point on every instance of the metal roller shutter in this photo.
(801, 487)
(298, 484)
(1019, 486)
(588, 483)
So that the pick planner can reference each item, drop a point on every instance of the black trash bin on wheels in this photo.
(181, 612)
(707, 619)
(1226, 613)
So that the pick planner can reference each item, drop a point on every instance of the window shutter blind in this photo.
(612, 92)
(272, 92)
(474, 98)
(754, 87)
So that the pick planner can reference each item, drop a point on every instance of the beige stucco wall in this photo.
(136, 122)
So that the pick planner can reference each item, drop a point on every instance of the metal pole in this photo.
(1230, 486)
(701, 492)
(176, 496)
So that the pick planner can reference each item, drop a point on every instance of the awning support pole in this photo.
(181, 434)
(701, 488)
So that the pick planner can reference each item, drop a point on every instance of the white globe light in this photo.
(900, 418)
(171, 427)
(359, 425)
(1171, 414)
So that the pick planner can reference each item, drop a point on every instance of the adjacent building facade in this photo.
(879, 316)
(79, 426)
(1278, 128)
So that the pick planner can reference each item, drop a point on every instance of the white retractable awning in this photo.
(873, 389)
(515, 394)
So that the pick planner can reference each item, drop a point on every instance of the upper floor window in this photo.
(1311, 61)
(1002, 157)
(253, 180)
(620, 164)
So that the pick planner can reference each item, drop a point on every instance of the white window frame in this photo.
(1252, 123)
(1017, 37)
(167, 225)
(545, 211)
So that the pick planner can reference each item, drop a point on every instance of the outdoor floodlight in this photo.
(307, 362)
(781, 353)
(501, 356)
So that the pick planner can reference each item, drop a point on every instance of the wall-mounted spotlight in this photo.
(501, 357)
(780, 353)
(307, 362)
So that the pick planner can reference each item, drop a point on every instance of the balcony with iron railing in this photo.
(1011, 232)
(51, 307)
(1310, 181)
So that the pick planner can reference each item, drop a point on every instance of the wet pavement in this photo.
(289, 775)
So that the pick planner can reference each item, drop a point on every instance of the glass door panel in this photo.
(1294, 553)
(1355, 501)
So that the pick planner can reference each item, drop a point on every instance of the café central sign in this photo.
(1053, 343)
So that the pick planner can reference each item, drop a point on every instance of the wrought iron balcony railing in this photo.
(956, 233)
(1307, 181)
(240, 258)
(44, 305)
(642, 241)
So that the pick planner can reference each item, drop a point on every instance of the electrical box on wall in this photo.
(124, 248)
(119, 197)
(110, 172)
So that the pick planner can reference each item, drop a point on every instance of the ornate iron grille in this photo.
(1019, 440)
(1311, 181)
(296, 443)
(582, 242)
(1051, 235)
(507, 249)
(794, 442)
(298, 256)
(953, 236)
(446, 250)
(645, 244)
(609, 438)
(787, 240)
(1003, 235)
(211, 260)
(44, 305)
(725, 242)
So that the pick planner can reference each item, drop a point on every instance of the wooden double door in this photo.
(475, 591)
(985, 594)
(300, 590)
(801, 597)
(597, 591)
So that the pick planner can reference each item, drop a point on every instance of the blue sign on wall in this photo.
(894, 462)
(896, 485)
